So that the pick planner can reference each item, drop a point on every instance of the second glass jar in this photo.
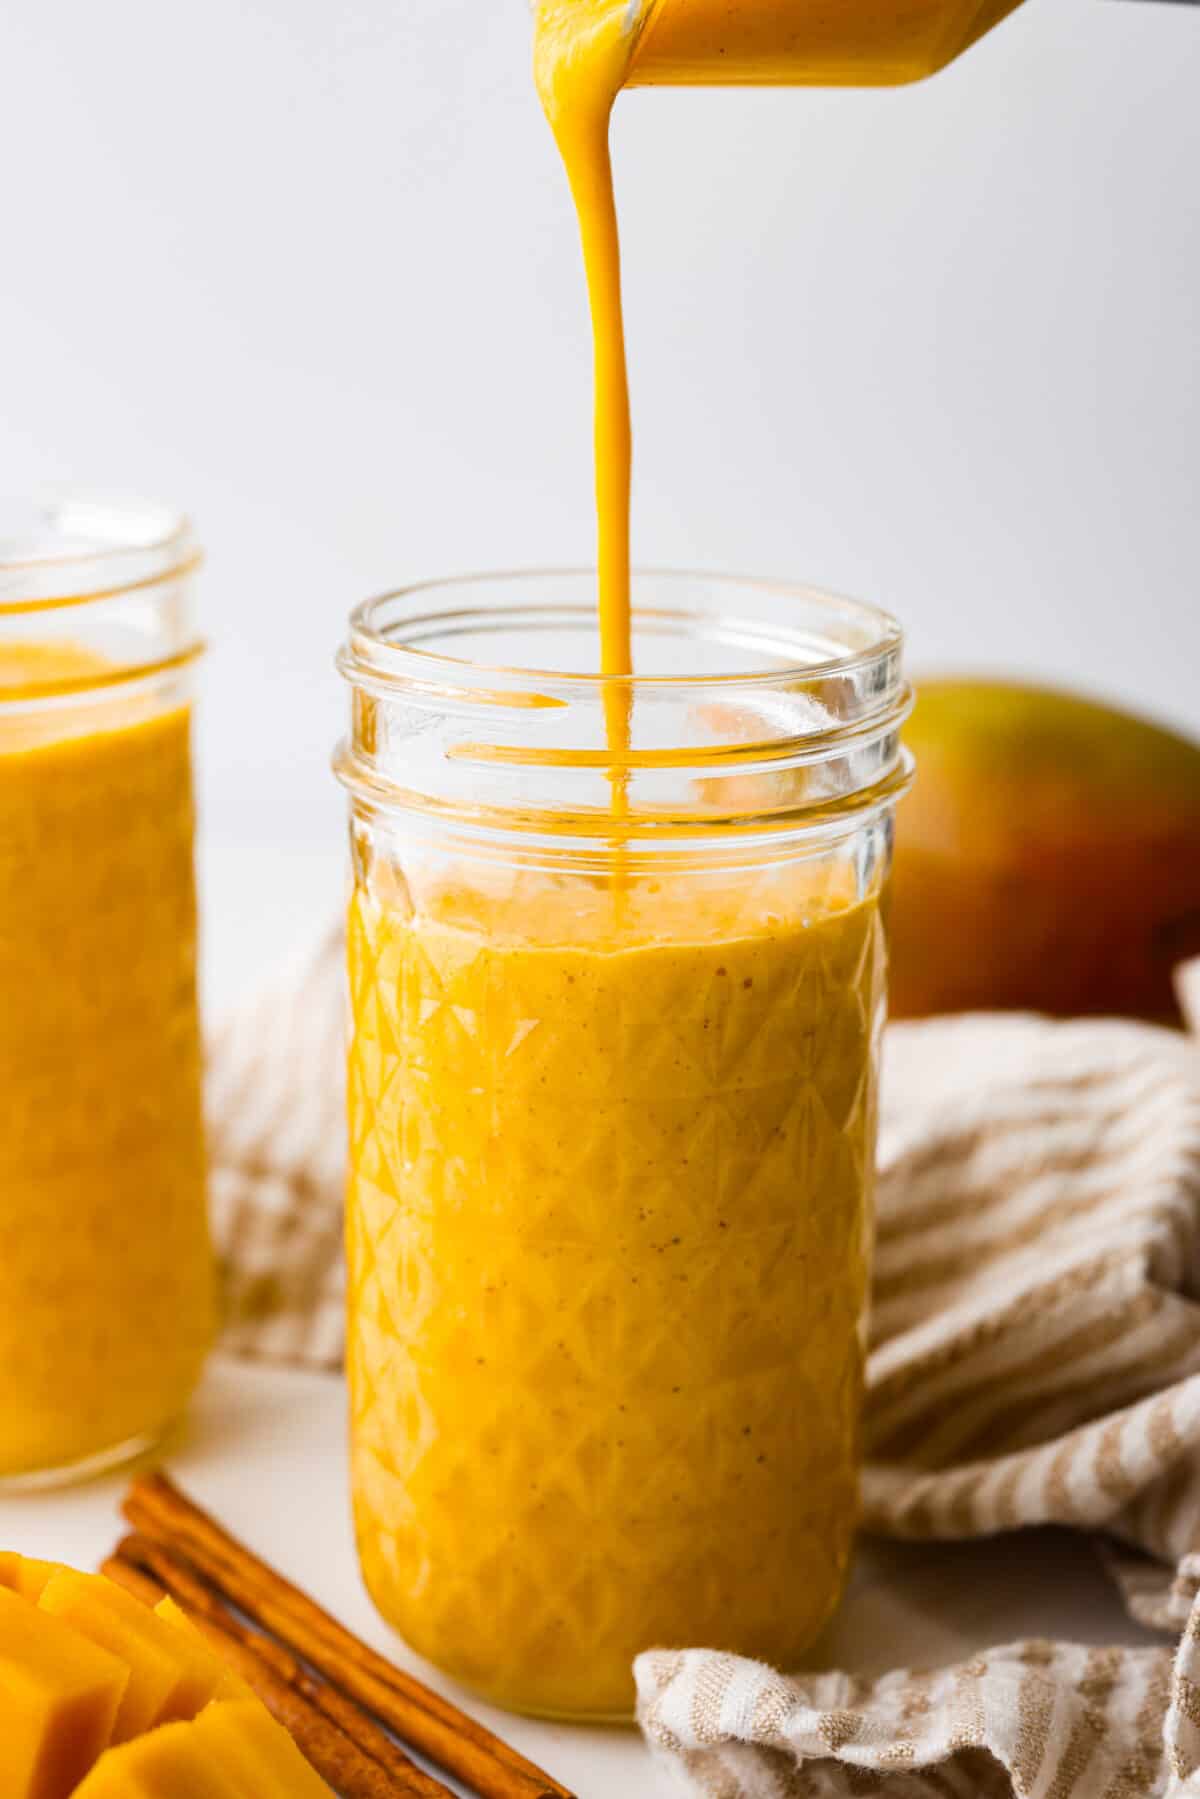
(107, 1283)
(612, 1117)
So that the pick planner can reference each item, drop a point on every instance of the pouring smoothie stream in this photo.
(586, 51)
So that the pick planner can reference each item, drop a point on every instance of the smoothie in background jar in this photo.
(107, 1296)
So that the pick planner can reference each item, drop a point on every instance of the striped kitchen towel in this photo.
(277, 1120)
(1035, 1359)
(1033, 1720)
(1036, 1342)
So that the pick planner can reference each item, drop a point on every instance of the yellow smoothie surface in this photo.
(106, 1279)
(608, 1232)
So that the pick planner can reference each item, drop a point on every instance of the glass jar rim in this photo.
(374, 657)
(74, 548)
(799, 732)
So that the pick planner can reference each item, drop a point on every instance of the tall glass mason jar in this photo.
(612, 1110)
(106, 1276)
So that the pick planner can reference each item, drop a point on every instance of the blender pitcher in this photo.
(785, 43)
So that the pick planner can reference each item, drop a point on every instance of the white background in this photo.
(310, 270)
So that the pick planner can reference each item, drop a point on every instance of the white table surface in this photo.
(264, 1449)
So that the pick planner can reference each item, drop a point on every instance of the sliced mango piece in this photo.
(244, 1738)
(226, 1682)
(166, 1682)
(169, 1763)
(59, 1700)
(25, 1574)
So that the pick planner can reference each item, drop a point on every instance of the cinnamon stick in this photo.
(345, 1746)
(274, 1673)
(166, 1517)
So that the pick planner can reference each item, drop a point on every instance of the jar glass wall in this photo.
(106, 1277)
(612, 1118)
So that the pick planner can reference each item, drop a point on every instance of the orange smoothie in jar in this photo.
(609, 1241)
(106, 1278)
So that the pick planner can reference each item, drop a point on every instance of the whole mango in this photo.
(1047, 858)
